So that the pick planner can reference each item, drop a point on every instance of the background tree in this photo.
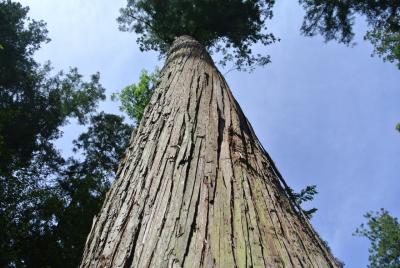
(134, 98)
(34, 104)
(56, 225)
(47, 202)
(229, 27)
(383, 232)
(83, 183)
(334, 20)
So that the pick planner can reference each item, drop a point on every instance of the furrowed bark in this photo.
(196, 188)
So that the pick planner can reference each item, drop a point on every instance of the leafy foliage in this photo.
(134, 98)
(231, 27)
(47, 202)
(33, 105)
(334, 20)
(398, 127)
(104, 142)
(82, 185)
(383, 231)
(305, 195)
(51, 223)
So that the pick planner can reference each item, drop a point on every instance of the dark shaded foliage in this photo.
(104, 142)
(334, 20)
(53, 221)
(47, 202)
(33, 104)
(82, 184)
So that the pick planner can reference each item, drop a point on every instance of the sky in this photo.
(326, 113)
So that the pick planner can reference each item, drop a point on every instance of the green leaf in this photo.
(305, 195)
(135, 98)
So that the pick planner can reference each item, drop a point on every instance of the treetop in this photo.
(230, 27)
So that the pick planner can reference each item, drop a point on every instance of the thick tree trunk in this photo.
(196, 188)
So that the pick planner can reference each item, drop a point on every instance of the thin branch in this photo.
(130, 14)
(230, 70)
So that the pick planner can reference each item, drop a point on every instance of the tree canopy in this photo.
(335, 19)
(231, 27)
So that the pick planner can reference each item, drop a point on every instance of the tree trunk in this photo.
(196, 188)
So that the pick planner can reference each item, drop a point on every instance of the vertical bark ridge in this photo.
(196, 188)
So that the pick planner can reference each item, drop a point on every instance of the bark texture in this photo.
(196, 188)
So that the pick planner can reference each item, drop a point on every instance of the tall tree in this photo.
(196, 188)
(334, 20)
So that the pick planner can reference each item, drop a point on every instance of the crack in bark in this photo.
(129, 260)
(192, 230)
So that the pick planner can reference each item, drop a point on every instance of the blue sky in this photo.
(325, 112)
